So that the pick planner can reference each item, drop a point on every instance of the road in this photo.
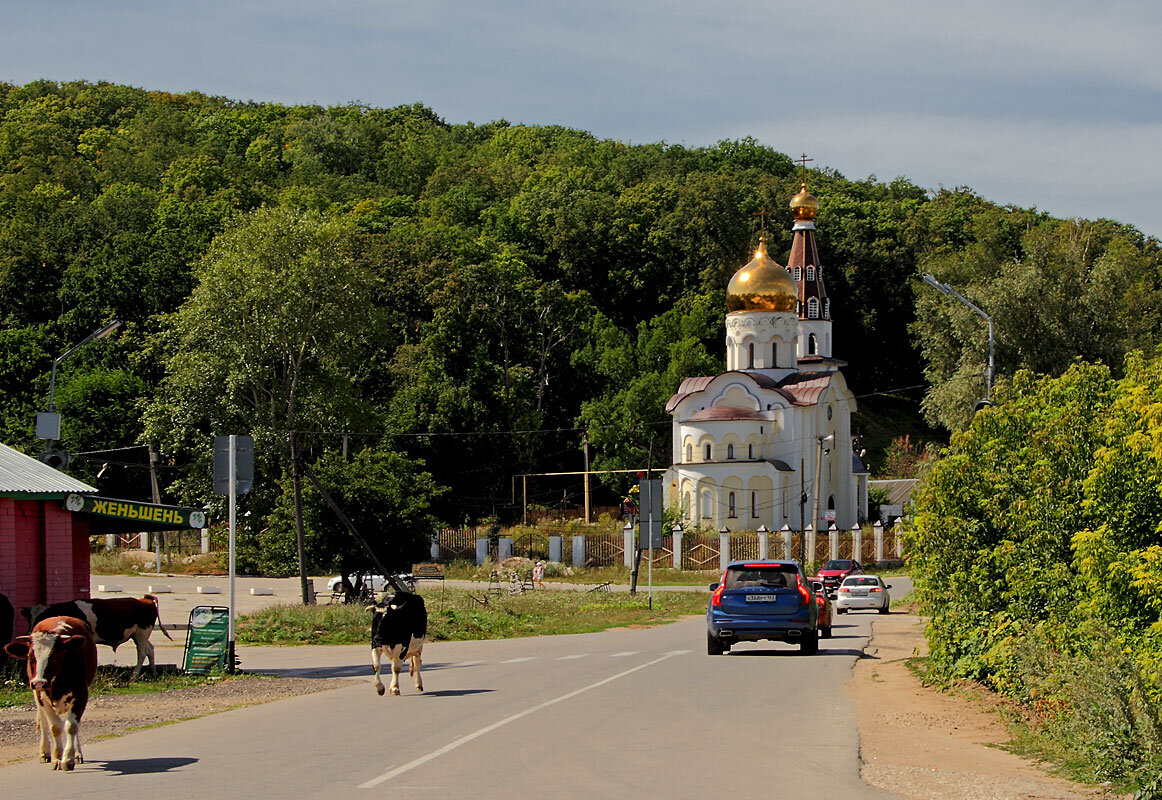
(619, 714)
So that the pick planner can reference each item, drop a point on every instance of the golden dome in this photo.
(762, 285)
(804, 206)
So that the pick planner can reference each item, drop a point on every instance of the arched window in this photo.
(813, 308)
(750, 356)
(754, 507)
(811, 273)
(730, 452)
(812, 345)
(730, 505)
(689, 453)
(774, 355)
(706, 453)
(798, 273)
(750, 451)
(707, 504)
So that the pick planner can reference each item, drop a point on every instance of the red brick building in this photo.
(44, 547)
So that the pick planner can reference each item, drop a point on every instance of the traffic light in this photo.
(57, 459)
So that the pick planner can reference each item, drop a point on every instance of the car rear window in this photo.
(869, 581)
(770, 576)
(837, 565)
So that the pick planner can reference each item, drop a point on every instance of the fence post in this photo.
(578, 550)
(857, 542)
(899, 540)
(677, 533)
(878, 534)
(833, 541)
(810, 554)
(627, 538)
(786, 531)
(723, 547)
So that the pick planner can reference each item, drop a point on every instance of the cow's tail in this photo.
(157, 608)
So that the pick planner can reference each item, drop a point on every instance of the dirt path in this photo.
(921, 743)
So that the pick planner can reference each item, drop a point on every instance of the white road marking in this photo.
(624, 653)
(391, 773)
(570, 658)
(518, 660)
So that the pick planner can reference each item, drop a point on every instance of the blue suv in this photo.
(758, 600)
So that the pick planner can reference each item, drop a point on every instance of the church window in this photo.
(754, 507)
(798, 273)
(774, 355)
(750, 451)
(813, 308)
(689, 453)
(730, 505)
(730, 451)
(810, 273)
(706, 453)
(707, 505)
(750, 356)
(812, 345)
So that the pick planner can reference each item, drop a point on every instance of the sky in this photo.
(1053, 104)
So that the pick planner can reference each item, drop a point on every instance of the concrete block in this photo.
(256, 590)
(209, 590)
(110, 587)
(161, 590)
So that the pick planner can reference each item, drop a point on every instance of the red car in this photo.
(825, 607)
(835, 570)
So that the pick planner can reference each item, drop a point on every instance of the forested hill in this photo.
(475, 294)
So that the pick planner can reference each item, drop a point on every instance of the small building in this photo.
(44, 547)
(46, 519)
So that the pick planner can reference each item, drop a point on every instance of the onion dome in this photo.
(804, 206)
(762, 285)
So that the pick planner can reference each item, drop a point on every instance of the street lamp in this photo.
(944, 288)
(48, 424)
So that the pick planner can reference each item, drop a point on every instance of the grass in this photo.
(110, 680)
(461, 615)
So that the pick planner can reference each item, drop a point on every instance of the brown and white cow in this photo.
(62, 660)
(114, 621)
(399, 627)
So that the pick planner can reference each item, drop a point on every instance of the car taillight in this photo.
(804, 595)
(875, 589)
(716, 598)
(844, 590)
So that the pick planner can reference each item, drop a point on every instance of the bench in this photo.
(428, 572)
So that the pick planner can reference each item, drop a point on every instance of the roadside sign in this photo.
(650, 515)
(243, 464)
(206, 641)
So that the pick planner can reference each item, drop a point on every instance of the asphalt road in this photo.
(619, 714)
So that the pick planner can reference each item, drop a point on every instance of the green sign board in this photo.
(173, 516)
(206, 643)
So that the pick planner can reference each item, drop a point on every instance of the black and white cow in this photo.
(62, 662)
(114, 621)
(398, 629)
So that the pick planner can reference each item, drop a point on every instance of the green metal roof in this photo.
(22, 476)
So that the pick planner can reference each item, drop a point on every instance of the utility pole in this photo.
(586, 446)
(802, 512)
(297, 478)
(819, 477)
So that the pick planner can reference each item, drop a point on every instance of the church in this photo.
(768, 442)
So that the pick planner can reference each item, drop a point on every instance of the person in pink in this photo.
(539, 575)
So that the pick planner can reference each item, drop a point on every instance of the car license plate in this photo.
(762, 598)
(859, 592)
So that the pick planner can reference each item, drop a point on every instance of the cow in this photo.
(62, 661)
(114, 621)
(398, 629)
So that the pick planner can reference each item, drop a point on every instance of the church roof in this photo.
(718, 413)
(799, 388)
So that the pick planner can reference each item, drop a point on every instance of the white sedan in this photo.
(863, 591)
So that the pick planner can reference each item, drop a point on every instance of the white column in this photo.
(763, 550)
(833, 541)
(857, 543)
(627, 538)
(723, 547)
(786, 531)
(810, 555)
(878, 533)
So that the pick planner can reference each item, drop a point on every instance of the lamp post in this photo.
(48, 424)
(944, 288)
(830, 437)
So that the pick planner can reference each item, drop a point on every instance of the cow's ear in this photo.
(18, 647)
(74, 642)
